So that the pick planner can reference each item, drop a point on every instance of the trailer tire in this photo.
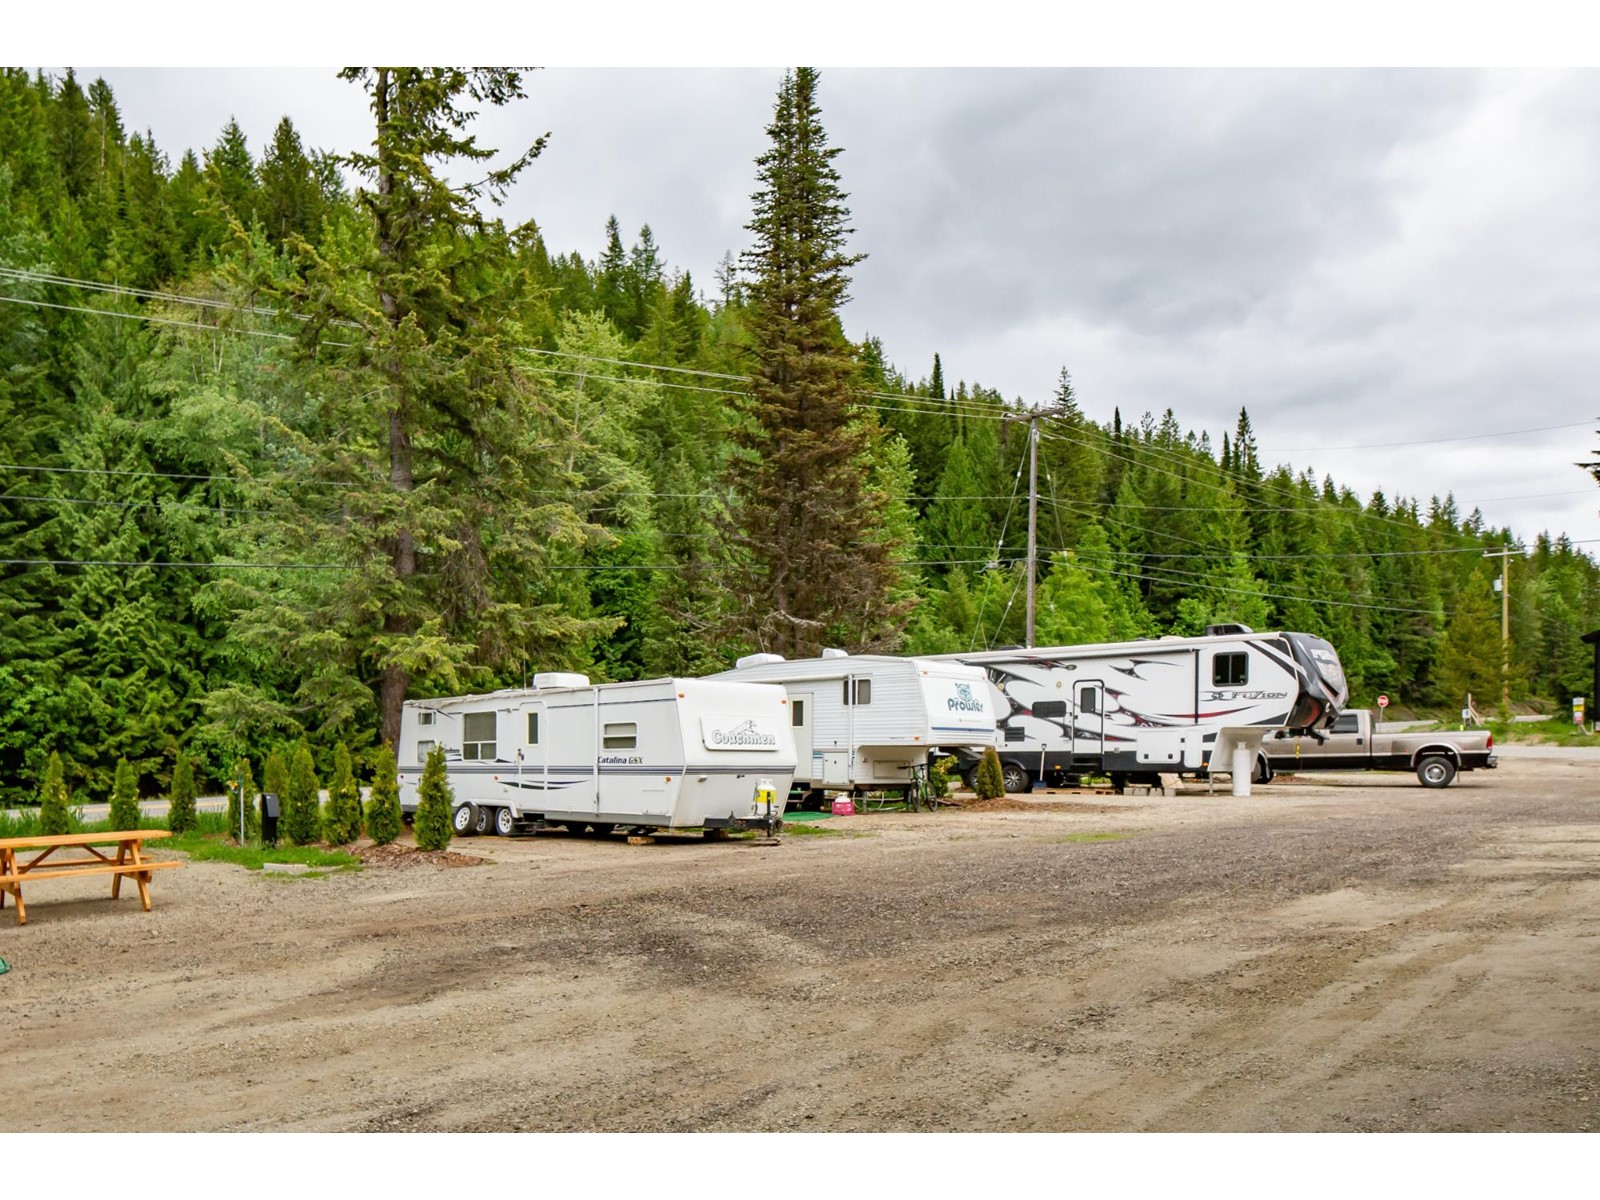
(482, 823)
(504, 822)
(1016, 777)
(1436, 771)
(602, 830)
(464, 819)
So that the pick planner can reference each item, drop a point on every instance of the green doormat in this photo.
(4, 966)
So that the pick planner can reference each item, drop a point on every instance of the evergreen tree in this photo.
(290, 200)
(434, 803)
(275, 780)
(989, 781)
(302, 806)
(342, 824)
(125, 797)
(181, 815)
(383, 803)
(812, 562)
(55, 815)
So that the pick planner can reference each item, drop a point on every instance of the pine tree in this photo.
(125, 797)
(383, 803)
(290, 200)
(813, 562)
(301, 807)
(243, 790)
(989, 782)
(180, 803)
(434, 803)
(55, 815)
(343, 823)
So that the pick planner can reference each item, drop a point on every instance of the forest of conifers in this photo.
(288, 434)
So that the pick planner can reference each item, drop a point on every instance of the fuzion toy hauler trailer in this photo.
(1133, 710)
(659, 754)
(866, 723)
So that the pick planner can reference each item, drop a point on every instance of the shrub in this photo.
(434, 802)
(939, 776)
(124, 797)
(300, 806)
(180, 805)
(243, 788)
(990, 783)
(343, 822)
(383, 806)
(275, 779)
(55, 814)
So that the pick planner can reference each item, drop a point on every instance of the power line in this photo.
(1465, 437)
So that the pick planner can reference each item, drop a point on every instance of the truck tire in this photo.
(464, 819)
(1263, 771)
(1436, 771)
(504, 822)
(1016, 777)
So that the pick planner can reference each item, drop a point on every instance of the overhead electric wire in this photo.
(1465, 437)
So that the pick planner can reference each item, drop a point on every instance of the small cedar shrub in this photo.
(301, 815)
(180, 807)
(383, 805)
(342, 824)
(434, 801)
(990, 783)
(124, 797)
(55, 812)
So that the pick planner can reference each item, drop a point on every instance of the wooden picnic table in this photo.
(129, 861)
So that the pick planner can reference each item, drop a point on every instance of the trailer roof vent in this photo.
(758, 660)
(1224, 630)
(833, 652)
(560, 679)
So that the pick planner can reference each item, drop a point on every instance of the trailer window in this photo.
(425, 717)
(423, 750)
(623, 735)
(797, 713)
(1230, 670)
(1050, 710)
(1089, 701)
(858, 691)
(477, 736)
(533, 729)
(1015, 734)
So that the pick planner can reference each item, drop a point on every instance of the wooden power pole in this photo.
(1504, 555)
(1033, 418)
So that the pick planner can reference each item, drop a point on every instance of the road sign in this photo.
(1383, 702)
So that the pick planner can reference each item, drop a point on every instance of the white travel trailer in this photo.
(659, 754)
(1132, 710)
(867, 722)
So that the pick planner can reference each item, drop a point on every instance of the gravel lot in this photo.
(1332, 953)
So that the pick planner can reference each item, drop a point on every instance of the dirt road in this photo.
(1336, 953)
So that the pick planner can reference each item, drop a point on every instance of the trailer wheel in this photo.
(1016, 777)
(602, 830)
(464, 819)
(1263, 771)
(504, 822)
(1436, 771)
(481, 824)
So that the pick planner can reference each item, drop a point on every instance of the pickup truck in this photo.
(1352, 745)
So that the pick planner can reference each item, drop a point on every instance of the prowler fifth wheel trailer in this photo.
(868, 723)
(1132, 710)
(660, 754)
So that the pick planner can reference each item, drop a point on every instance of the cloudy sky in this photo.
(1370, 261)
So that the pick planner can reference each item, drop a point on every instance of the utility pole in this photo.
(1033, 419)
(1504, 555)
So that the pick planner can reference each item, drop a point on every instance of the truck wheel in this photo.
(1016, 777)
(1263, 771)
(1436, 771)
(481, 825)
(464, 819)
(504, 822)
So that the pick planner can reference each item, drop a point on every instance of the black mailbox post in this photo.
(269, 818)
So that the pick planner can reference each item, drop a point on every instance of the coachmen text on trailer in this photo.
(658, 754)
(867, 722)
(1132, 710)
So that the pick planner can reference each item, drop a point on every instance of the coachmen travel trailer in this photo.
(1134, 710)
(867, 723)
(659, 754)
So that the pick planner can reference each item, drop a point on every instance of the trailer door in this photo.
(533, 764)
(801, 707)
(1089, 720)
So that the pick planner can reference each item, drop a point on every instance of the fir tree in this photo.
(383, 803)
(301, 807)
(434, 803)
(343, 823)
(811, 552)
(989, 781)
(290, 200)
(125, 797)
(180, 804)
(55, 815)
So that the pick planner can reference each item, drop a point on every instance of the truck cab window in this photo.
(1230, 670)
(477, 736)
(1346, 723)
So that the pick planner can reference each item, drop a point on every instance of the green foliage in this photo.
(383, 803)
(301, 808)
(275, 779)
(939, 773)
(342, 824)
(180, 809)
(124, 797)
(989, 782)
(434, 803)
(55, 814)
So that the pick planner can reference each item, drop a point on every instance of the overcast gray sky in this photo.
(1367, 260)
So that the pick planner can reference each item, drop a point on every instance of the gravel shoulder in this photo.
(1332, 953)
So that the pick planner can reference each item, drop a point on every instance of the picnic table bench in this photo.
(129, 861)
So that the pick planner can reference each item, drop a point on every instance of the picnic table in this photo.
(128, 861)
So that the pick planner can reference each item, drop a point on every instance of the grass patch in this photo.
(202, 847)
(1556, 731)
(804, 829)
(26, 823)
